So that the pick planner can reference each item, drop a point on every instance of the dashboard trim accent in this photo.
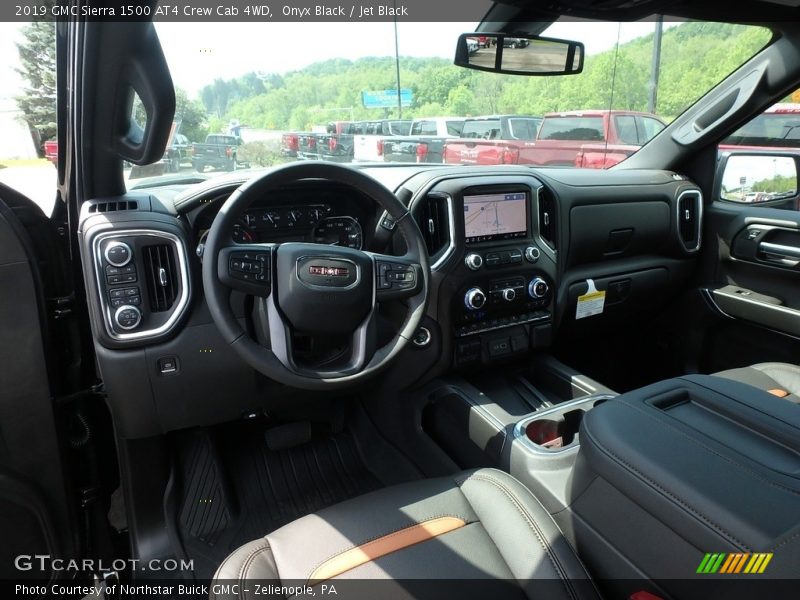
(451, 245)
(181, 304)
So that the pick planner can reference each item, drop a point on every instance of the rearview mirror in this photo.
(519, 55)
(759, 178)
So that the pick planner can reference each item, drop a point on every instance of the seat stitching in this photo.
(786, 541)
(684, 504)
(248, 562)
(390, 533)
(534, 527)
(737, 465)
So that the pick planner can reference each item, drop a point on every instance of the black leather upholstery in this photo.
(507, 535)
(769, 376)
(688, 466)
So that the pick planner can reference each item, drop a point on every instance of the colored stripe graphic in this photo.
(735, 562)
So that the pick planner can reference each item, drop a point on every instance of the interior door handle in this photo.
(780, 252)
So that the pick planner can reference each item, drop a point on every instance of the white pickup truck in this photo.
(368, 138)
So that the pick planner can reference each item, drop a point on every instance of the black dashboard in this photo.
(514, 254)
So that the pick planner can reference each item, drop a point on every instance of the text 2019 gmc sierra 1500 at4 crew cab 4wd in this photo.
(406, 380)
(425, 141)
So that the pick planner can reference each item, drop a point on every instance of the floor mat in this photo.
(234, 489)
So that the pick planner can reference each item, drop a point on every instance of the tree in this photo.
(37, 54)
(191, 116)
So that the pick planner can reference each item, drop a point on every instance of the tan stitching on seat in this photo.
(534, 528)
(387, 544)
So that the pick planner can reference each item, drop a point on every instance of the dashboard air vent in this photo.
(547, 217)
(433, 221)
(113, 206)
(161, 276)
(690, 207)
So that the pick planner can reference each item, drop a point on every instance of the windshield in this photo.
(337, 98)
(251, 95)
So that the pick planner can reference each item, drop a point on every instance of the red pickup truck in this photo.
(594, 138)
(495, 140)
(587, 138)
(51, 151)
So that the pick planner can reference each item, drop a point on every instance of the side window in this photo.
(454, 127)
(428, 128)
(523, 129)
(626, 129)
(648, 129)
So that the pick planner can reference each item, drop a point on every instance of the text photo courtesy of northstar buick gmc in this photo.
(365, 308)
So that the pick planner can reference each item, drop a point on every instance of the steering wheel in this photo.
(313, 289)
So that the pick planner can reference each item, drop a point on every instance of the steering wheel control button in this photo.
(475, 299)
(532, 254)
(127, 317)
(118, 254)
(422, 337)
(473, 261)
(538, 288)
(396, 277)
(249, 266)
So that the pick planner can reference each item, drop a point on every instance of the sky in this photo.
(198, 53)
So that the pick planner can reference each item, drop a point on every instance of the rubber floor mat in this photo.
(234, 489)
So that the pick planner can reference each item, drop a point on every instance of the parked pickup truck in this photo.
(307, 148)
(336, 144)
(494, 140)
(177, 152)
(51, 151)
(425, 142)
(290, 144)
(219, 151)
(370, 138)
(591, 138)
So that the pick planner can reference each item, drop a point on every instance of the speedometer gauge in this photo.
(338, 231)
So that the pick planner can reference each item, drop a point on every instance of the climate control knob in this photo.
(538, 288)
(127, 317)
(474, 299)
(509, 294)
(473, 261)
(532, 254)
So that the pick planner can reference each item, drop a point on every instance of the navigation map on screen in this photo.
(495, 216)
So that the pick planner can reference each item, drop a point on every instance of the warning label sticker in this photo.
(591, 303)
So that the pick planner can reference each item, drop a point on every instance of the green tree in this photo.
(191, 115)
(37, 66)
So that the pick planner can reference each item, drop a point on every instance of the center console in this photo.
(502, 304)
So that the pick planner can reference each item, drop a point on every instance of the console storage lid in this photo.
(716, 462)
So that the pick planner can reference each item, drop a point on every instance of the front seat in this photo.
(477, 525)
(779, 379)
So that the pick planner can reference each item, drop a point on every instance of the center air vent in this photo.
(433, 219)
(161, 276)
(690, 213)
(547, 217)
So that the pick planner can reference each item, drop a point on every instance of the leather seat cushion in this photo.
(479, 524)
(779, 379)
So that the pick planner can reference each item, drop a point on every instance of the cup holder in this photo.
(557, 428)
(555, 433)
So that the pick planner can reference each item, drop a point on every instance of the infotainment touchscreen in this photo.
(500, 216)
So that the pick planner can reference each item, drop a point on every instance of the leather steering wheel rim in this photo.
(217, 293)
